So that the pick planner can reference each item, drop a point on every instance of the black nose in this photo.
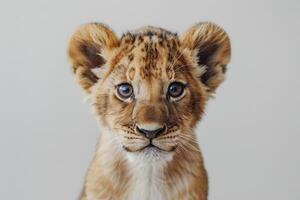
(150, 134)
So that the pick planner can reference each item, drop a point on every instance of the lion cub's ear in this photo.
(210, 46)
(88, 49)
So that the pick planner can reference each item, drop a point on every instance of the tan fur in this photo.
(150, 59)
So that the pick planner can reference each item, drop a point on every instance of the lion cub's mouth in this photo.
(150, 147)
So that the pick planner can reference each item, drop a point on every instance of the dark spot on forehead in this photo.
(150, 34)
(130, 57)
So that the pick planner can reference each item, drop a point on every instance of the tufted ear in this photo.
(88, 49)
(210, 46)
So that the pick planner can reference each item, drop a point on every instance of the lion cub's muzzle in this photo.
(152, 128)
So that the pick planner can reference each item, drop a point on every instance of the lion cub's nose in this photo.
(151, 133)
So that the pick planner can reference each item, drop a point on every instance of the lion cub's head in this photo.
(149, 87)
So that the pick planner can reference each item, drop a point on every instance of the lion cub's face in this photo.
(151, 96)
(152, 85)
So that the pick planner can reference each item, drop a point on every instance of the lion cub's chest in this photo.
(147, 183)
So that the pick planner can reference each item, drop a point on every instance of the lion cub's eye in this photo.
(176, 89)
(124, 90)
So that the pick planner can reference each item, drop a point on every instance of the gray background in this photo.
(249, 136)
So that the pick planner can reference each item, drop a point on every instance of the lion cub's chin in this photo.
(150, 155)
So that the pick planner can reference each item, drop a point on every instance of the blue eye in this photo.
(124, 90)
(176, 89)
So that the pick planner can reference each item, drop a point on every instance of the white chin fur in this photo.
(149, 156)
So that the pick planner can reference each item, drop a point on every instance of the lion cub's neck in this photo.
(115, 174)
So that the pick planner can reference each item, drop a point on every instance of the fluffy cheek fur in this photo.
(110, 111)
(113, 114)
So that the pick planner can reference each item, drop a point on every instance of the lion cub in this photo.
(148, 89)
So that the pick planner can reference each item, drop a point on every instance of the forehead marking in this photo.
(150, 60)
(131, 73)
(130, 57)
(156, 53)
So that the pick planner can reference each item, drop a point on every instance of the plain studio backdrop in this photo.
(250, 135)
